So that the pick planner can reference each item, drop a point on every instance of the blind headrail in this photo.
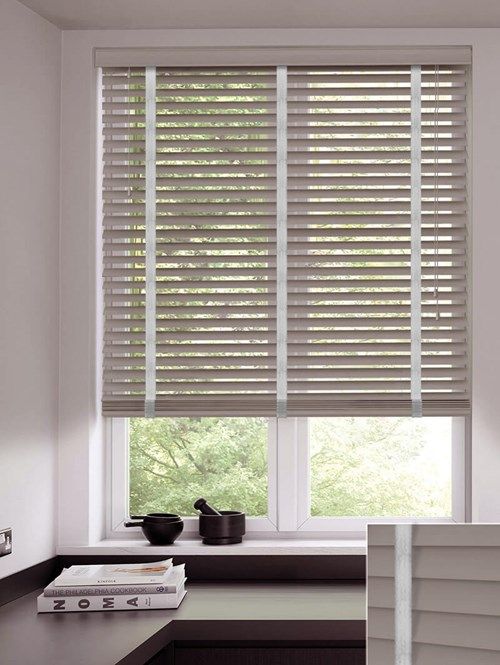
(235, 56)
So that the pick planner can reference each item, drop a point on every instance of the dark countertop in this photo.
(325, 611)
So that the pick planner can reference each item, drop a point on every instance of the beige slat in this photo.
(354, 245)
(449, 596)
(295, 336)
(266, 360)
(113, 236)
(235, 271)
(381, 652)
(358, 193)
(295, 221)
(397, 387)
(430, 535)
(333, 350)
(467, 631)
(296, 298)
(294, 169)
(307, 310)
(447, 562)
(200, 181)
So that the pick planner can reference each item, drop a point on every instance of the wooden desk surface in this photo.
(211, 610)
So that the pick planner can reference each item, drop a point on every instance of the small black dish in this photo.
(159, 528)
(157, 517)
(228, 528)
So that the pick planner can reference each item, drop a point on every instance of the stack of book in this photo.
(130, 586)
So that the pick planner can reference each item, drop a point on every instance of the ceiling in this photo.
(128, 14)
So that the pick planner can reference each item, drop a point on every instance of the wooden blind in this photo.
(344, 192)
(455, 579)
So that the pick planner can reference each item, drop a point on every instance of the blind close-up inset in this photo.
(437, 600)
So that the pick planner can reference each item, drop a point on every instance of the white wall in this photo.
(30, 68)
(30, 63)
(80, 424)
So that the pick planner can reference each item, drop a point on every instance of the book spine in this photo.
(122, 590)
(108, 603)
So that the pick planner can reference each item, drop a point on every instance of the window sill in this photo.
(249, 547)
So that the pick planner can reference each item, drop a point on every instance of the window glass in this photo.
(173, 461)
(380, 467)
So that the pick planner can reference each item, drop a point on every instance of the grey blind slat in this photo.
(348, 240)
(447, 629)
(381, 652)
(463, 596)
(455, 594)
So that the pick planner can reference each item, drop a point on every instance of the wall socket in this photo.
(5, 541)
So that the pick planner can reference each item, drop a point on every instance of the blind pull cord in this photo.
(150, 213)
(403, 594)
(281, 241)
(416, 241)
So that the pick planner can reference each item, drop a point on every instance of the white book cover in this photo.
(175, 579)
(110, 603)
(117, 573)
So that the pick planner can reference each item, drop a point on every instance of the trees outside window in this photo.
(357, 466)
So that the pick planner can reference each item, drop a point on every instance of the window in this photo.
(173, 461)
(387, 467)
(285, 259)
(302, 474)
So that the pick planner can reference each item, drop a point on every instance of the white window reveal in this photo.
(285, 286)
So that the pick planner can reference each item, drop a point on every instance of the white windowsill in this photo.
(189, 547)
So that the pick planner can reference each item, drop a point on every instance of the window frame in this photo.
(288, 486)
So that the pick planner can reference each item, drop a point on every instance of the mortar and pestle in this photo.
(219, 527)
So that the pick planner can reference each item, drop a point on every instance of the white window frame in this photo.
(288, 486)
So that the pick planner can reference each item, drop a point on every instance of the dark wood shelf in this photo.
(284, 612)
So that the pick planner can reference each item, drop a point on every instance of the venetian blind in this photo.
(274, 243)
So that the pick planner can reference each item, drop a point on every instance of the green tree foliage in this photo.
(173, 461)
(359, 466)
(380, 467)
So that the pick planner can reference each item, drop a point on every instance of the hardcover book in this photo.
(119, 573)
(108, 603)
(175, 580)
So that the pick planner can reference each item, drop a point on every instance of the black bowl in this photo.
(159, 532)
(157, 517)
(227, 528)
(162, 533)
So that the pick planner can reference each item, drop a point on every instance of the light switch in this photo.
(5, 541)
